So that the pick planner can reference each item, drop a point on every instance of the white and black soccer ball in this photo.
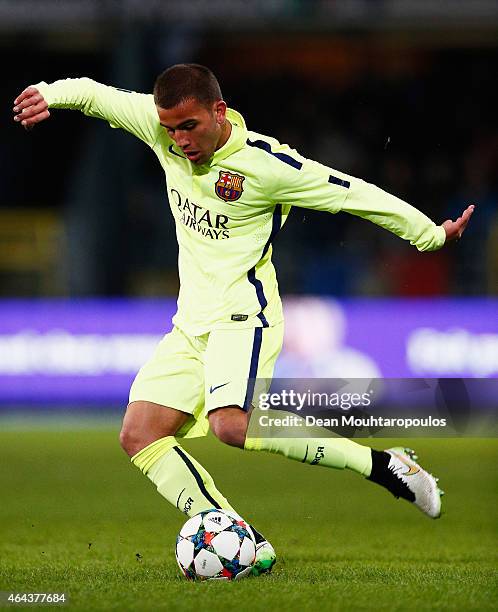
(215, 544)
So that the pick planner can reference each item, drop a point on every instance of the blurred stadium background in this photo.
(399, 92)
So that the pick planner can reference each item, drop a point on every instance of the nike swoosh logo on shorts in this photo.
(213, 389)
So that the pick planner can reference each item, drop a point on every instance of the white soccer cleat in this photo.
(265, 558)
(419, 486)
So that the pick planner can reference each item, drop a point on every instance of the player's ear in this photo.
(220, 111)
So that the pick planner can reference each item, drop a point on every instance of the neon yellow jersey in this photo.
(228, 211)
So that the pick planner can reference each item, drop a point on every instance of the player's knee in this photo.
(228, 436)
(133, 438)
(130, 440)
(229, 426)
(146, 422)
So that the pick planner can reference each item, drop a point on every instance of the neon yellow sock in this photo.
(330, 452)
(179, 477)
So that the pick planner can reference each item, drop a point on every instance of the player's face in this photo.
(195, 129)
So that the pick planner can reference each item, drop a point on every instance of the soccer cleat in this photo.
(265, 558)
(412, 482)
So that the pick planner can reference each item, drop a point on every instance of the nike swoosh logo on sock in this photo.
(178, 500)
(306, 454)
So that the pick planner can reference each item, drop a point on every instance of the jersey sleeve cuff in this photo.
(44, 89)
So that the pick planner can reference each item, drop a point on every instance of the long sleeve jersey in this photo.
(228, 211)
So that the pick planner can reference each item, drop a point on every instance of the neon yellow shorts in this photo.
(196, 374)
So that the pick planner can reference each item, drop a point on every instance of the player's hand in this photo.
(455, 229)
(30, 108)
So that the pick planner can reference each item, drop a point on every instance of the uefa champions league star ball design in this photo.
(215, 544)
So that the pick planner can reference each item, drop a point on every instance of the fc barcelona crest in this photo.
(228, 187)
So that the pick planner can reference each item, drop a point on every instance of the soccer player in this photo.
(230, 191)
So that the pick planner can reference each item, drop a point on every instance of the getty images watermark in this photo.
(375, 407)
(343, 401)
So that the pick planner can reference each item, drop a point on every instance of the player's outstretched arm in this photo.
(30, 107)
(455, 229)
(291, 179)
(129, 110)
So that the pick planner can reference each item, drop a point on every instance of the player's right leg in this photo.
(174, 376)
(145, 422)
(167, 400)
(148, 437)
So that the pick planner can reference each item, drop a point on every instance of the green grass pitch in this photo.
(76, 517)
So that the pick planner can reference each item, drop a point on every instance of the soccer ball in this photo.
(215, 545)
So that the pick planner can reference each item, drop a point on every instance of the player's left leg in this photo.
(394, 469)
(236, 362)
(254, 351)
(230, 424)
